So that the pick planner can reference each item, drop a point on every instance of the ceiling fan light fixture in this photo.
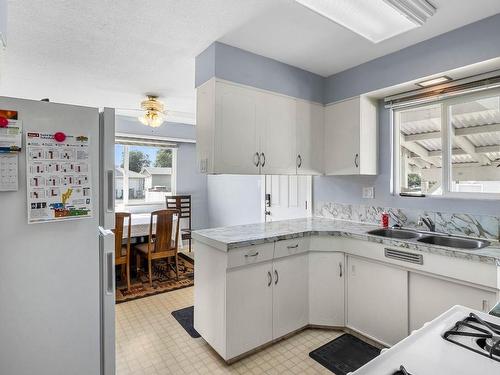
(154, 114)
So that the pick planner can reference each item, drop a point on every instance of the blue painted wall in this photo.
(348, 189)
(240, 66)
(470, 44)
(476, 42)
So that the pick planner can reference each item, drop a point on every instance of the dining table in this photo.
(140, 227)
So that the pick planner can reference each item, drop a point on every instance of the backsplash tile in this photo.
(468, 225)
(337, 210)
(478, 226)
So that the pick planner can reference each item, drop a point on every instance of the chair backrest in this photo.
(119, 225)
(181, 203)
(164, 229)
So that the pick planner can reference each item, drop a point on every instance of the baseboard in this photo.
(308, 326)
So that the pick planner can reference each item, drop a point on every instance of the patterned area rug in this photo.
(163, 281)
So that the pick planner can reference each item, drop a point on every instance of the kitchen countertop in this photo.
(227, 238)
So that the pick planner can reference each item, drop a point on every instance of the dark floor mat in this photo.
(185, 317)
(345, 354)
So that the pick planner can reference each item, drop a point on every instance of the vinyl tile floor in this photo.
(149, 341)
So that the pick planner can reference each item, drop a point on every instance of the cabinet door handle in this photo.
(252, 255)
(263, 156)
(299, 161)
(356, 157)
(270, 278)
(256, 159)
(293, 246)
(485, 306)
(276, 276)
(340, 269)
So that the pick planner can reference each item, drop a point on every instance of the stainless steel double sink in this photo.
(431, 238)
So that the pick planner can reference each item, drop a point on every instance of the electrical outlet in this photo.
(369, 192)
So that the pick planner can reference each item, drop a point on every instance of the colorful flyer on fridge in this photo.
(58, 177)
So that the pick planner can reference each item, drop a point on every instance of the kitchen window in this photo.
(449, 148)
(144, 172)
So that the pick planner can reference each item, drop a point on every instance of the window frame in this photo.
(173, 182)
(446, 146)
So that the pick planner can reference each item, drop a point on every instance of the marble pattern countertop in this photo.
(227, 238)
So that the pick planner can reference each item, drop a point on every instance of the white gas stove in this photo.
(461, 341)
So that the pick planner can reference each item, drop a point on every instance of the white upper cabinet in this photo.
(227, 132)
(243, 130)
(351, 137)
(310, 138)
(277, 141)
(236, 129)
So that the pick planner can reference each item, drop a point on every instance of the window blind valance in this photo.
(140, 141)
(445, 91)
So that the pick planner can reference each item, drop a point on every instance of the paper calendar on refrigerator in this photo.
(58, 177)
(9, 171)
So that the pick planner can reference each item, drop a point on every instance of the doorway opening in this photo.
(286, 197)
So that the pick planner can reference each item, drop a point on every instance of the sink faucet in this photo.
(428, 222)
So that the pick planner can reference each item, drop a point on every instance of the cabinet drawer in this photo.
(250, 255)
(291, 247)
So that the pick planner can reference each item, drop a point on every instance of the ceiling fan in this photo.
(152, 113)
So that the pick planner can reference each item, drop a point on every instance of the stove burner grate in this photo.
(401, 371)
(487, 334)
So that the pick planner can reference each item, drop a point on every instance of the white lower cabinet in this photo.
(430, 296)
(249, 311)
(248, 297)
(290, 294)
(326, 288)
(265, 301)
(377, 300)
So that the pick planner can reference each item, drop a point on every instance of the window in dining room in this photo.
(144, 172)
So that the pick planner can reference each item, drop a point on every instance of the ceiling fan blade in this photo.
(170, 115)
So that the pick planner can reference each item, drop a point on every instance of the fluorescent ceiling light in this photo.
(417, 11)
(434, 81)
(376, 20)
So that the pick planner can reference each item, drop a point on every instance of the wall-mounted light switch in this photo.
(369, 192)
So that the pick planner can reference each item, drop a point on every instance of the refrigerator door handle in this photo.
(110, 287)
(110, 174)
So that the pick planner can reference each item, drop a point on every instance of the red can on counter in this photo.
(385, 219)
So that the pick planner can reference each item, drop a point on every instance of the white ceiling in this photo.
(110, 53)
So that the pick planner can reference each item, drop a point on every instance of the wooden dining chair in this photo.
(122, 251)
(182, 203)
(160, 244)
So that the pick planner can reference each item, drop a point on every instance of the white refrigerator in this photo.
(57, 289)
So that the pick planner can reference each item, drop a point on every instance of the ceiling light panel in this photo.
(376, 20)
(417, 11)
